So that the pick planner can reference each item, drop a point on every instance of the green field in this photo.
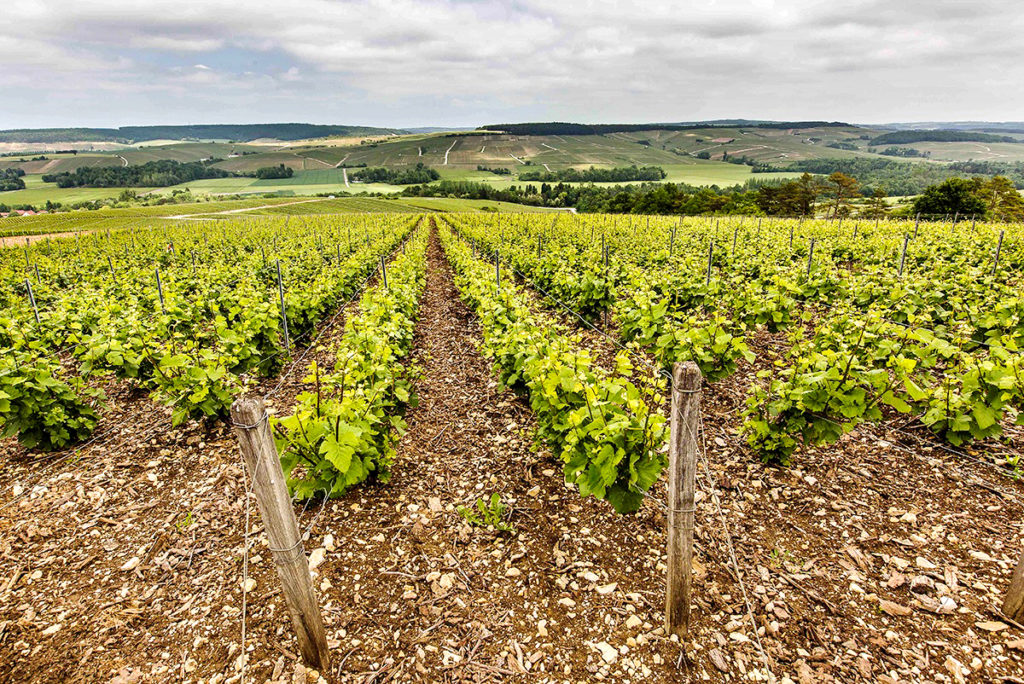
(145, 216)
(349, 205)
(318, 166)
(37, 192)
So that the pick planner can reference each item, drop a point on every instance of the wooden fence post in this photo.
(682, 470)
(1013, 606)
(252, 428)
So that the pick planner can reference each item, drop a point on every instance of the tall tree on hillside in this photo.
(840, 189)
(953, 196)
(807, 192)
(795, 198)
(1003, 201)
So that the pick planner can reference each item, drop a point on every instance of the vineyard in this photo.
(472, 416)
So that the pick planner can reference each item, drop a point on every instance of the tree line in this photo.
(379, 174)
(897, 178)
(835, 196)
(279, 171)
(151, 174)
(904, 137)
(11, 179)
(619, 174)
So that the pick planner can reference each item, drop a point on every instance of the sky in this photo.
(405, 63)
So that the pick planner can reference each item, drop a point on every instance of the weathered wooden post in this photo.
(682, 471)
(711, 252)
(252, 428)
(903, 255)
(1013, 606)
(32, 298)
(160, 291)
(284, 311)
(999, 248)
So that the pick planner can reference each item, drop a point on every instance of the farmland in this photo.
(697, 156)
(472, 413)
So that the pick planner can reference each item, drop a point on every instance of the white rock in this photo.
(608, 654)
(316, 558)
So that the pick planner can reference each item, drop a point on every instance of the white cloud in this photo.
(418, 61)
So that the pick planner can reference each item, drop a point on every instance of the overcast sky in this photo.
(469, 62)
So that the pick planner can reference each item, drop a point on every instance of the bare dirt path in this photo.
(227, 212)
(19, 240)
(449, 150)
(436, 600)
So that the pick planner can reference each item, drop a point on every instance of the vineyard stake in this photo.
(903, 256)
(110, 263)
(917, 224)
(791, 238)
(711, 249)
(256, 443)
(160, 290)
(38, 279)
(284, 311)
(384, 271)
(497, 270)
(810, 257)
(999, 247)
(32, 298)
(1013, 606)
(682, 470)
(735, 233)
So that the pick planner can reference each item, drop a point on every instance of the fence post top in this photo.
(246, 407)
(686, 376)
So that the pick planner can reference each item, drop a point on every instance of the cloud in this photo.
(406, 62)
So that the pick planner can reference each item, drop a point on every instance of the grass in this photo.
(346, 205)
(86, 220)
(149, 216)
(37, 192)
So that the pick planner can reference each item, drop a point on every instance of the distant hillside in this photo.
(562, 128)
(987, 126)
(136, 134)
(905, 137)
